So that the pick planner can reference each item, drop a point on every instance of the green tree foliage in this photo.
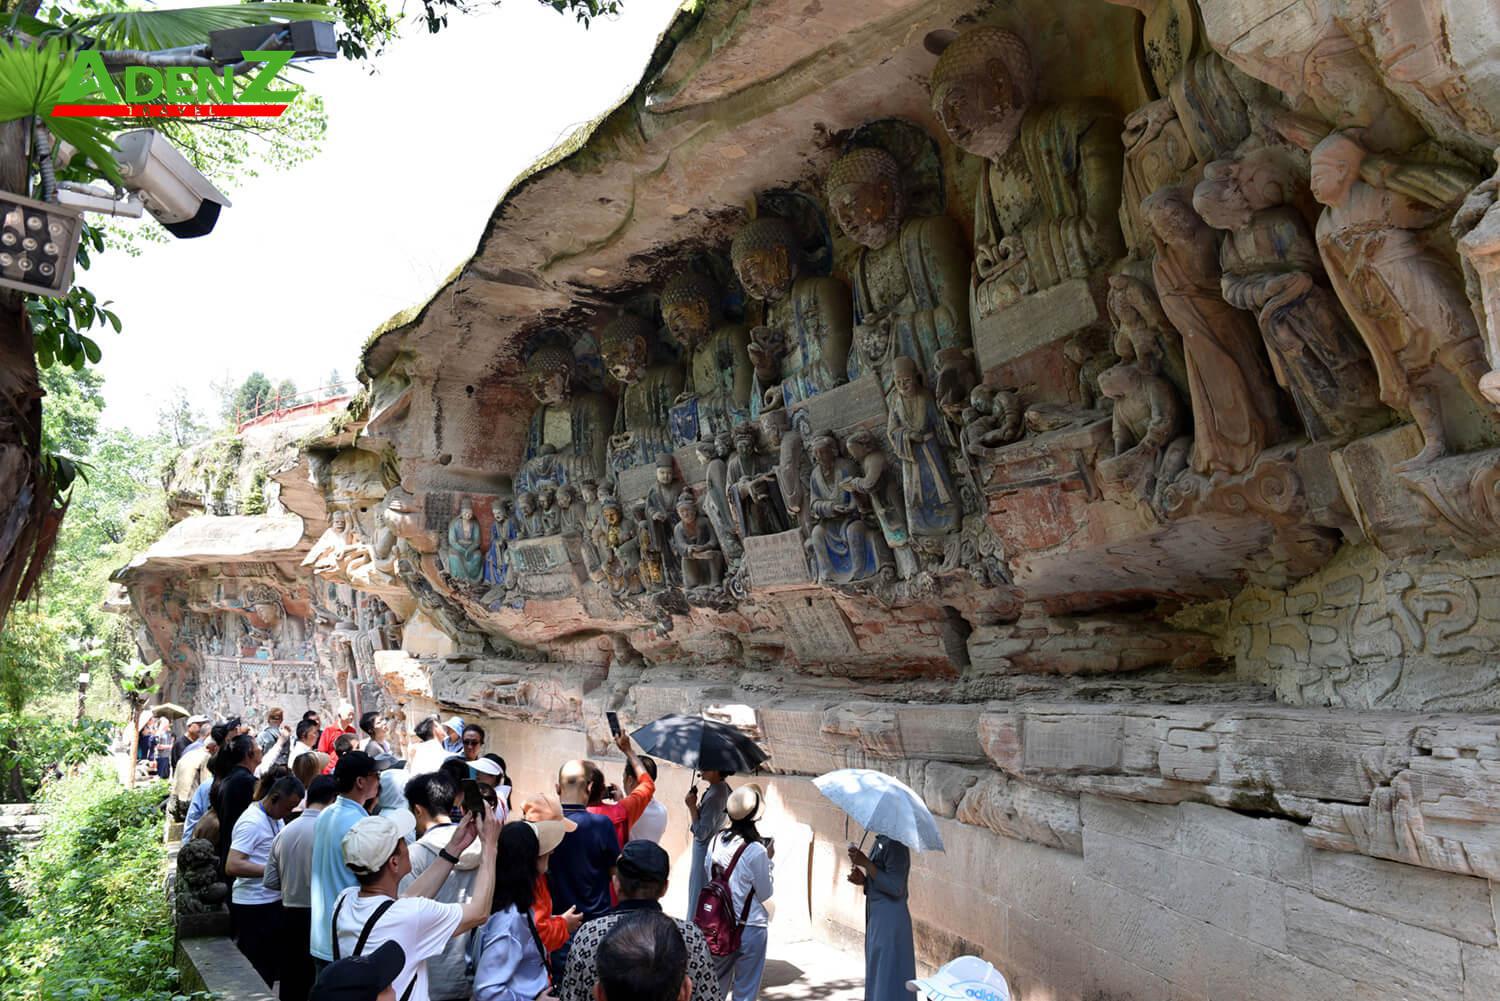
(86, 919)
(286, 389)
(180, 421)
(117, 508)
(253, 396)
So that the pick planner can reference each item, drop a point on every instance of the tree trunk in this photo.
(25, 494)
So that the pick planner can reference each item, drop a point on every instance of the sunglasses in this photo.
(475, 741)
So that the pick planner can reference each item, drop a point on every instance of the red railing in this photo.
(309, 401)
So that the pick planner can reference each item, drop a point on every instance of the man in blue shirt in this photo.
(579, 873)
(358, 781)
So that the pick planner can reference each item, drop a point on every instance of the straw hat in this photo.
(747, 802)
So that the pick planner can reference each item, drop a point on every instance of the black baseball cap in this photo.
(644, 860)
(360, 978)
(352, 767)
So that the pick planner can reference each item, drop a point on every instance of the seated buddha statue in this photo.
(568, 437)
(650, 389)
(911, 278)
(719, 375)
(813, 313)
(1047, 207)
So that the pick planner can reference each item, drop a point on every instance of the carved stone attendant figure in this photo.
(842, 548)
(719, 374)
(653, 556)
(715, 457)
(1406, 299)
(1048, 201)
(569, 511)
(1271, 268)
(620, 550)
(528, 518)
(910, 278)
(754, 497)
(502, 533)
(546, 507)
(813, 313)
(1235, 408)
(918, 435)
(1148, 421)
(785, 446)
(696, 545)
(992, 420)
(465, 561)
(878, 493)
(661, 508)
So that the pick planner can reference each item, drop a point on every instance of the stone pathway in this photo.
(812, 971)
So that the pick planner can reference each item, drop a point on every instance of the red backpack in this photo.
(714, 913)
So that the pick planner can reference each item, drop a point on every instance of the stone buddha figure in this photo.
(813, 313)
(911, 276)
(720, 378)
(1048, 202)
(651, 388)
(568, 438)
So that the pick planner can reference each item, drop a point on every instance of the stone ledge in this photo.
(217, 965)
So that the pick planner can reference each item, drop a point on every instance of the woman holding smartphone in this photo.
(512, 960)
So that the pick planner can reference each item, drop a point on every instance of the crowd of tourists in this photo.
(355, 874)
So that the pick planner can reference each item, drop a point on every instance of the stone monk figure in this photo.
(1048, 204)
(720, 377)
(918, 434)
(696, 545)
(464, 557)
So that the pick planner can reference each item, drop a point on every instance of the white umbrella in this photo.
(883, 805)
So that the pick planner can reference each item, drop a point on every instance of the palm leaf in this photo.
(31, 81)
(167, 29)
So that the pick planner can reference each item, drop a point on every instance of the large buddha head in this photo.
(625, 347)
(549, 374)
(690, 307)
(982, 86)
(864, 195)
(764, 254)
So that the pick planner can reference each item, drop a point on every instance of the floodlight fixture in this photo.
(306, 40)
(38, 241)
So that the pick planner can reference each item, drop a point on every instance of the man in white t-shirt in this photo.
(375, 850)
(254, 909)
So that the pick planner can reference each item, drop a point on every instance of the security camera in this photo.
(174, 191)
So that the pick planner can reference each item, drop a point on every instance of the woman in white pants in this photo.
(740, 972)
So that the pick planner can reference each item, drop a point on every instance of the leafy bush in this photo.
(88, 918)
(32, 747)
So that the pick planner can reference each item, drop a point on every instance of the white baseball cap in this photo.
(200, 719)
(484, 766)
(371, 842)
(967, 978)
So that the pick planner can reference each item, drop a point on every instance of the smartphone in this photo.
(614, 722)
(473, 798)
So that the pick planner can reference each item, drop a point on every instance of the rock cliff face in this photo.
(1086, 414)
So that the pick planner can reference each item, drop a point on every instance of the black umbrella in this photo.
(698, 743)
